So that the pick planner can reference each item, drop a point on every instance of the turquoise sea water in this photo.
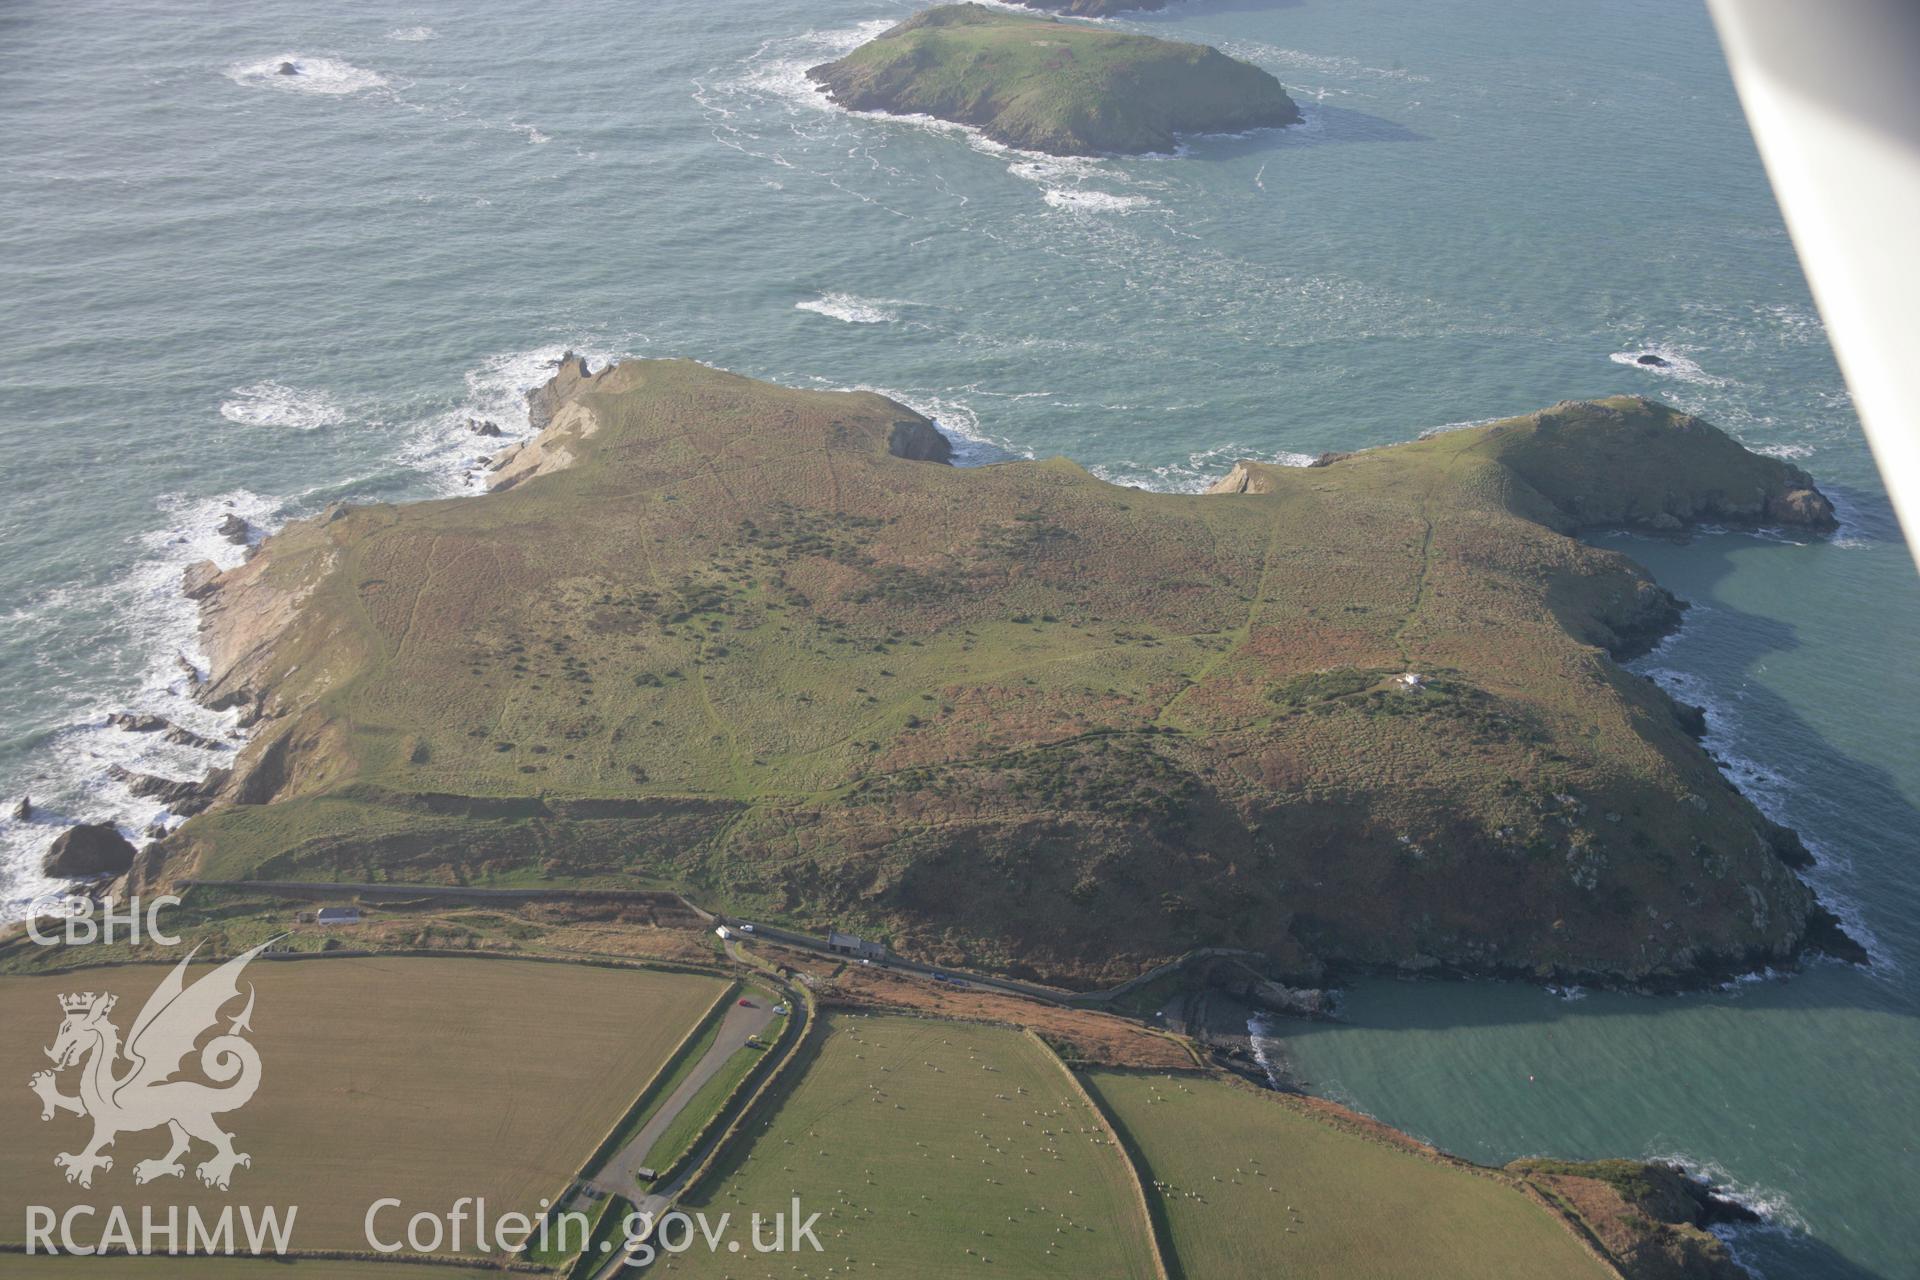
(224, 289)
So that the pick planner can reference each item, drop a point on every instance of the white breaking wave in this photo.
(1787, 451)
(412, 35)
(446, 446)
(777, 70)
(1774, 1208)
(1261, 1039)
(1466, 424)
(844, 306)
(1768, 788)
(1271, 55)
(779, 67)
(1094, 201)
(1678, 366)
(73, 782)
(328, 76)
(1202, 469)
(274, 404)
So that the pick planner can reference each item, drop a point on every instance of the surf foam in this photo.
(274, 404)
(1770, 788)
(72, 781)
(1679, 366)
(852, 310)
(328, 77)
(1202, 469)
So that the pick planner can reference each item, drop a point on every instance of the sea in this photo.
(229, 291)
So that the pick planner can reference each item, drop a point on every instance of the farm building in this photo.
(337, 915)
(848, 945)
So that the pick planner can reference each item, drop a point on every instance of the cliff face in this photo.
(1650, 1220)
(759, 643)
(1044, 85)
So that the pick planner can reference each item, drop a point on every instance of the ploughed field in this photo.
(418, 1078)
(1253, 1185)
(761, 644)
(931, 1148)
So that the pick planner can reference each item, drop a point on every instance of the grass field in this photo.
(422, 1079)
(1252, 1186)
(932, 1148)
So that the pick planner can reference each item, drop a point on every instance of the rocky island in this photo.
(1060, 87)
(765, 645)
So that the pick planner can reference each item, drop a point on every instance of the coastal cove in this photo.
(301, 294)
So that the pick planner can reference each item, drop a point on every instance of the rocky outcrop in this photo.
(184, 796)
(90, 849)
(198, 579)
(1804, 506)
(1652, 1221)
(918, 440)
(1827, 934)
(1631, 462)
(570, 375)
(234, 529)
(1276, 997)
(23, 812)
(138, 722)
(241, 611)
(554, 449)
(1242, 479)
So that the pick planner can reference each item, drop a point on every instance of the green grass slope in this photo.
(1046, 85)
(1251, 1185)
(1014, 716)
(935, 1149)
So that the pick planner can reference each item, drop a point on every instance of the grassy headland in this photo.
(744, 643)
(1046, 85)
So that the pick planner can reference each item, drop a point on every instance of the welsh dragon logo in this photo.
(143, 1094)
